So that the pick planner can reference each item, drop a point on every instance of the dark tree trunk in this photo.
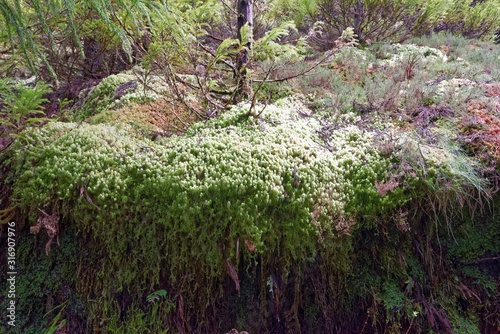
(245, 16)
(94, 61)
(358, 20)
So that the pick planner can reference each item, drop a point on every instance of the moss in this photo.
(160, 117)
(267, 188)
(264, 182)
(45, 282)
(118, 90)
(425, 54)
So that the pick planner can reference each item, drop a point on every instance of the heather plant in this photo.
(472, 19)
(373, 21)
(467, 58)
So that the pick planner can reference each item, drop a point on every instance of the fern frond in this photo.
(129, 13)
(268, 47)
(224, 49)
(70, 13)
(45, 27)
(278, 32)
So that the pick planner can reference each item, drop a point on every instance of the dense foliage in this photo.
(352, 191)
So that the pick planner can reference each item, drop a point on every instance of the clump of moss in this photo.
(247, 181)
(45, 285)
(281, 188)
(118, 90)
(274, 161)
(160, 117)
(425, 54)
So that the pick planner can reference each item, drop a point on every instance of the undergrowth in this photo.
(362, 200)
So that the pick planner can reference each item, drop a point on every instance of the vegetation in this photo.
(319, 167)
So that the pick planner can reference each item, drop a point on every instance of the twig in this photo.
(254, 97)
(173, 77)
(229, 7)
(323, 60)
(364, 325)
(218, 39)
(484, 259)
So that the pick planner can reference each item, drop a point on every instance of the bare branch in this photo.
(320, 62)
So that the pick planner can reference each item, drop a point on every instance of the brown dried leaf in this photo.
(345, 225)
(47, 246)
(250, 245)
(35, 229)
(50, 223)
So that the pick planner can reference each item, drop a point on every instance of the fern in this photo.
(70, 12)
(62, 20)
(269, 48)
(246, 33)
(21, 106)
(225, 49)
(41, 17)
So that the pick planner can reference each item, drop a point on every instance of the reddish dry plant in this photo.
(234, 275)
(250, 245)
(401, 220)
(492, 90)
(344, 225)
(384, 187)
(410, 65)
(481, 130)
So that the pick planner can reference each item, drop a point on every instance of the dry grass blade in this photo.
(234, 275)
(468, 293)
(181, 319)
(7, 214)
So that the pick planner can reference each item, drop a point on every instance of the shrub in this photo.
(470, 18)
(373, 20)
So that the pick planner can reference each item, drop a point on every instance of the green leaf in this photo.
(223, 51)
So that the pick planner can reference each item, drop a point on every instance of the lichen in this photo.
(425, 54)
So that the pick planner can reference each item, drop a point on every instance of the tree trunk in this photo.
(93, 66)
(245, 16)
(358, 20)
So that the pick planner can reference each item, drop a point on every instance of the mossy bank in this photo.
(285, 222)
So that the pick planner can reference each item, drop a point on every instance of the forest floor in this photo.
(360, 197)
